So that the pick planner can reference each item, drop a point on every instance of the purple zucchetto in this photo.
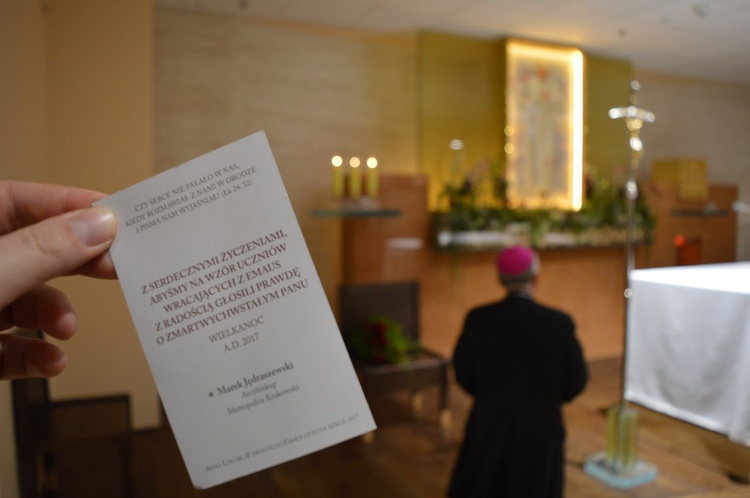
(515, 260)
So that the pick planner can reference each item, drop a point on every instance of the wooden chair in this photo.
(399, 302)
(55, 437)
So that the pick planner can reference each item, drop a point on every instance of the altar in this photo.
(688, 345)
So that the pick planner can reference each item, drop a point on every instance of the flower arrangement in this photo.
(380, 341)
(603, 212)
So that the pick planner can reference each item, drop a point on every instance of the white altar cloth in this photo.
(688, 345)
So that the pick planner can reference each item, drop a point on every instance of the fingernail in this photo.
(94, 226)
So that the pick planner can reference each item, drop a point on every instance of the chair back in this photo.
(30, 401)
(398, 301)
(30, 396)
(50, 432)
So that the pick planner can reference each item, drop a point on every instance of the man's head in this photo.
(517, 267)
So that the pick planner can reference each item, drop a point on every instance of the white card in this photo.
(239, 335)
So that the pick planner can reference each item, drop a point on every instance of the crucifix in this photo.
(634, 119)
(619, 465)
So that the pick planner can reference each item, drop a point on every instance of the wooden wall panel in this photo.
(391, 248)
(587, 283)
(101, 132)
(316, 92)
(322, 91)
(716, 229)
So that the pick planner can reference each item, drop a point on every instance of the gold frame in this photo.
(544, 126)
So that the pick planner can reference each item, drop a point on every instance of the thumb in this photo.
(56, 246)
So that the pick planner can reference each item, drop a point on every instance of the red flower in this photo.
(380, 357)
(381, 337)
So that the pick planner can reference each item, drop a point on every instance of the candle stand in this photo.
(619, 466)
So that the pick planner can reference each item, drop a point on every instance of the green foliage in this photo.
(380, 341)
(605, 206)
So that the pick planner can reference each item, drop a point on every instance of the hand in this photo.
(46, 231)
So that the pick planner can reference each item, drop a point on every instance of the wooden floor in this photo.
(413, 458)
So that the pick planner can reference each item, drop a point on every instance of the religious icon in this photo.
(544, 125)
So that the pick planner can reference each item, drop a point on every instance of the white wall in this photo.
(701, 119)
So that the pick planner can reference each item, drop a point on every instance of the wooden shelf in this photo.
(356, 213)
(360, 208)
(700, 212)
(493, 241)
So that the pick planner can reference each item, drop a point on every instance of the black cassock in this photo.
(521, 361)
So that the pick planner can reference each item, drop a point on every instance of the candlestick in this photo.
(371, 178)
(619, 466)
(338, 177)
(627, 439)
(613, 422)
(355, 179)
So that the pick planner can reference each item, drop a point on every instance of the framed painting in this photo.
(544, 126)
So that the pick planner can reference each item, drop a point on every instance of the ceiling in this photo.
(707, 39)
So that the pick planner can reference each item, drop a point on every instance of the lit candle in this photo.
(355, 179)
(338, 177)
(371, 178)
